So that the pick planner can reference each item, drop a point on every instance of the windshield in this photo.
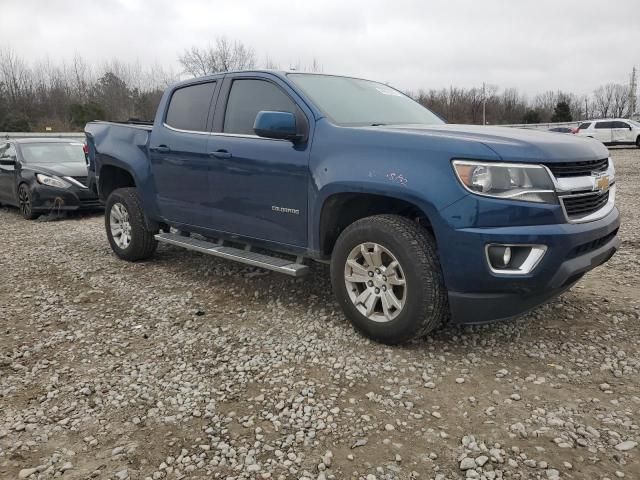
(352, 101)
(52, 152)
(633, 122)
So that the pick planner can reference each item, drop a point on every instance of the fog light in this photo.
(514, 259)
(506, 257)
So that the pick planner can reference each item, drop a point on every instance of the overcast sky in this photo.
(534, 45)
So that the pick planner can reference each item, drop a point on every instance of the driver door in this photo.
(603, 131)
(259, 186)
(7, 175)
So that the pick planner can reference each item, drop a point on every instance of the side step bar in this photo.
(244, 256)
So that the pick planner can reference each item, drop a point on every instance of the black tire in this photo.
(425, 303)
(638, 141)
(25, 202)
(142, 243)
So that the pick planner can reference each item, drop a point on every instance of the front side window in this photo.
(247, 98)
(189, 107)
(620, 124)
(357, 102)
(42, 152)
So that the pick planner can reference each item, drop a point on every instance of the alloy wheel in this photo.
(24, 199)
(119, 225)
(375, 282)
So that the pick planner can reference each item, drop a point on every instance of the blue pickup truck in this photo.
(422, 222)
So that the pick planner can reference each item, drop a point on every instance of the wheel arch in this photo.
(340, 209)
(113, 177)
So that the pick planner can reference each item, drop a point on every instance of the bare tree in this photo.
(224, 56)
(603, 100)
(620, 100)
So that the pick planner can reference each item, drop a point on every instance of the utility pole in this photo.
(632, 93)
(484, 104)
(586, 108)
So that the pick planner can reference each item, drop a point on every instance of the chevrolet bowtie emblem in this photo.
(601, 182)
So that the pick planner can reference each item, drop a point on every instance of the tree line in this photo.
(64, 96)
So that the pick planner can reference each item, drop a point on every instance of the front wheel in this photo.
(129, 236)
(638, 141)
(25, 203)
(387, 278)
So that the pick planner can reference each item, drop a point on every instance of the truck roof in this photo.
(277, 72)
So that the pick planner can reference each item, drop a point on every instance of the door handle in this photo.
(161, 149)
(221, 154)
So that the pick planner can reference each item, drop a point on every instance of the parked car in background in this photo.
(562, 130)
(422, 222)
(40, 175)
(613, 131)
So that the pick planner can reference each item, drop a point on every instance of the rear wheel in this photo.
(386, 276)
(129, 236)
(25, 203)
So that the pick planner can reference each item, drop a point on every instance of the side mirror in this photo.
(629, 127)
(8, 161)
(280, 125)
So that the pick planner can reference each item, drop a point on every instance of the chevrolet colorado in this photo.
(422, 222)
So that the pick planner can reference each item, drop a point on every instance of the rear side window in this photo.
(603, 124)
(584, 126)
(247, 98)
(189, 107)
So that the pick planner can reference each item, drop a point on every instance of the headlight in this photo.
(51, 181)
(512, 181)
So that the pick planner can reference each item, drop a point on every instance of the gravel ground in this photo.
(193, 367)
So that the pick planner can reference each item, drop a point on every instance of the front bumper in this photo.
(477, 295)
(45, 199)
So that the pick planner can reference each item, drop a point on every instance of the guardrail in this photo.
(542, 126)
(9, 135)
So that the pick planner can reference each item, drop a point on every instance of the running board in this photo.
(276, 264)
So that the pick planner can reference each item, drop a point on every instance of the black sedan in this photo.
(41, 175)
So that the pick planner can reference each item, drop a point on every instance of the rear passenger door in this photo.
(621, 132)
(602, 131)
(178, 153)
(259, 186)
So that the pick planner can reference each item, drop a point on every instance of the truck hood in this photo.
(516, 144)
(74, 169)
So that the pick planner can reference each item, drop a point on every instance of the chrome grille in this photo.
(583, 204)
(83, 180)
(578, 169)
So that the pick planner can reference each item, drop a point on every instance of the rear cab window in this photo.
(189, 107)
(249, 96)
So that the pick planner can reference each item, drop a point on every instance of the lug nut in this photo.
(384, 288)
(384, 277)
(370, 283)
(377, 290)
(370, 273)
(378, 271)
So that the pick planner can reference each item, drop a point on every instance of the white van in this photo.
(612, 131)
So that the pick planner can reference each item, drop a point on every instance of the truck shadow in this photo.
(313, 294)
